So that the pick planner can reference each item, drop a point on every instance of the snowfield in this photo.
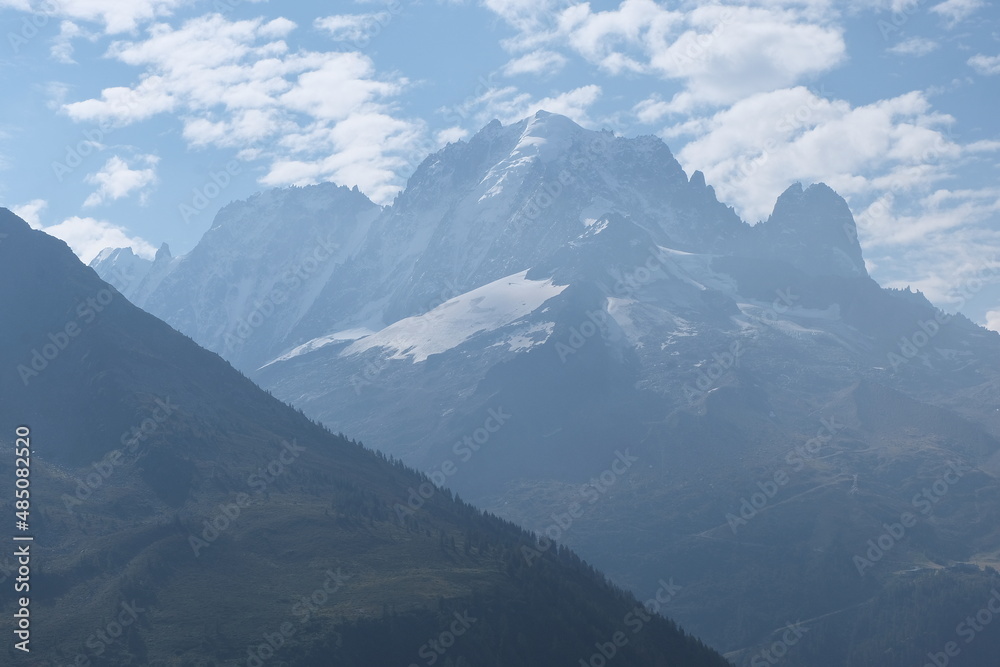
(455, 321)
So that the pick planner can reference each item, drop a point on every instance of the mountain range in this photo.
(570, 332)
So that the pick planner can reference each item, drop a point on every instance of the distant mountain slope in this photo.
(183, 516)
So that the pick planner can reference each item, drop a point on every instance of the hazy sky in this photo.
(120, 120)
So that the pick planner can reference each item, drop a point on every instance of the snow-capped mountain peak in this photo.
(510, 198)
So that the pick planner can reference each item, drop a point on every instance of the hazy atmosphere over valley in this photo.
(500, 333)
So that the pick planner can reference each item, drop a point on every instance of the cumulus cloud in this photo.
(731, 53)
(237, 84)
(955, 11)
(717, 53)
(451, 135)
(116, 179)
(894, 161)
(754, 149)
(88, 236)
(993, 320)
(527, 16)
(31, 212)
(85, 236)
(114, 16)
(952, 267)
(985, 65)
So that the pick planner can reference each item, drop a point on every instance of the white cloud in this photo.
(950, 266)
(890, 221)
(651, 109)
(350, 76)
(115, 16)
(718, 53)
(31, 212)
(88, 236)
(986, 65)
(355, 28)
(209, 61)
(993, 320)
(536, 62)
(116, 179)
(509, 104)
(451, 135)
(894, 161)
(608, 38)
(573, 103)
(528, 16)
(954, 11)
(914, 46)
(237, 84)
(62, 46)
(367, 148)
(729, 54)
(85, 236)
(753, 150)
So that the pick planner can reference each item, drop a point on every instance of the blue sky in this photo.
(132, 123)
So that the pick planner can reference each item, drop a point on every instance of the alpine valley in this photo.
(182, 516)
(567, 330)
